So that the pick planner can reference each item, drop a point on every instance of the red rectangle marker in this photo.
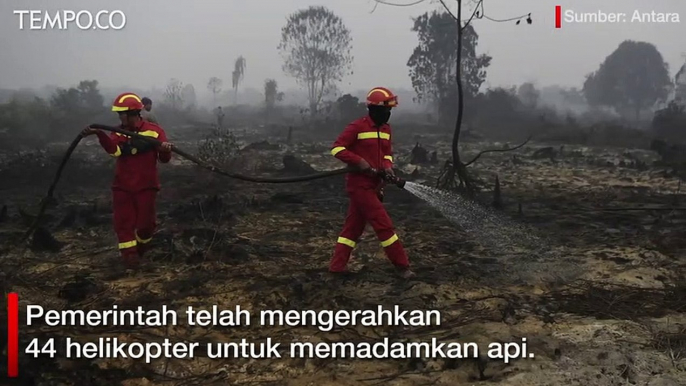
(558, 16)
(12, 335)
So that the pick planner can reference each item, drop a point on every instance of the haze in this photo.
(193, 41)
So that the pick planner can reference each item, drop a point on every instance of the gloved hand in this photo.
(364, 167)
(166, 147)
(136, 146)
(141, 144)
(389, 176)
(88, 131)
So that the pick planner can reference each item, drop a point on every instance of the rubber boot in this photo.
(130, 258)
(143, 248)
(405, 272)
(341, 256)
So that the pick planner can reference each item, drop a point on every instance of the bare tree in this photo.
(237, 76)
(215, 86)
(457, 168)
(315, 45)
(173, 94)
(447, 179)
(188, 96)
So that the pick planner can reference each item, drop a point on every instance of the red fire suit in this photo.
(135, 187)
(363, 140)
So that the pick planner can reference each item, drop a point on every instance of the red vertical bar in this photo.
(12, 335)
(558, 16)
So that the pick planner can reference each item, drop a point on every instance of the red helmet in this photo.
(126, 102)
(381, 96)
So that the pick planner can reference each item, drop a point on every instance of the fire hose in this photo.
(44, 203)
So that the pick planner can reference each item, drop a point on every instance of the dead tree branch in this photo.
(497, 151)
(447, 178)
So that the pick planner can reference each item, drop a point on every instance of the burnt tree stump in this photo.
(420, 156)
(294, 165)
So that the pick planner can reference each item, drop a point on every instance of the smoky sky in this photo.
(195, 40)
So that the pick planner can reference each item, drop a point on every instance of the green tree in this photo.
(315, 45)
(680, 84)
(573, 96)
(271, 95)
(26, 119)
(497, 107)
(90, 95)
(631, 79)
(433, 63)
(528, 95)
(350, 107)
(84, 98)
(669, 123)
(75, 107)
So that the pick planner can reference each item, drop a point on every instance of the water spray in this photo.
(485, 225)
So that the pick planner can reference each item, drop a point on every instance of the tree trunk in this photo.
(460, 92)
(457, 166)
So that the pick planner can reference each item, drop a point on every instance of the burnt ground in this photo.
(606, 308)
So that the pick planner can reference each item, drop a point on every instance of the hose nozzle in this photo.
(392, 179)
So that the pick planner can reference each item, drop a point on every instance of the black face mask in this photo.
(379, 114)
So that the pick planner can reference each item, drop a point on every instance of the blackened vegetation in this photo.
(668, 121)
(421, 156)
(617, 301)
(44, 241)
(220, 147)
(295, 166)
(266, 247)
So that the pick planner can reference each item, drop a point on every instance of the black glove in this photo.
(389, 178)
(136, 146)
(142, 145)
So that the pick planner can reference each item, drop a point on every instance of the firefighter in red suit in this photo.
(136, 182)
(366, 143)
